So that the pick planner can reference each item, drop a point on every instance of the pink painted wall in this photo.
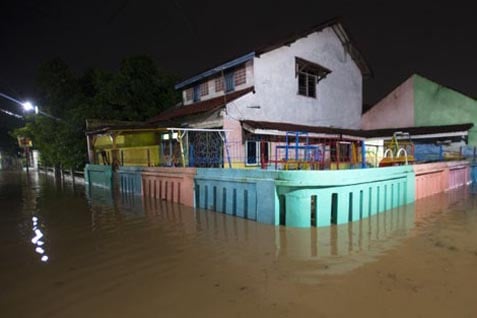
(169, 184)
(394, 110)
(458, 174)
(235, 142)
(433, 178)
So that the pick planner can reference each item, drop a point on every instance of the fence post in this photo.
(363, 154)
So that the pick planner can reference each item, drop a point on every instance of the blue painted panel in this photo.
(131, 180)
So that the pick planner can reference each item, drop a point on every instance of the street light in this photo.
(28, 106)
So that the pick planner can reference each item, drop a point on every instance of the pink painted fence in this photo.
(459, 173)
(433, 178)
(170, 184)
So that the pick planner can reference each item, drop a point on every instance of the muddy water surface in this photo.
(67, 252)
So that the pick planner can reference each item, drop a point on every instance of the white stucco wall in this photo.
(339, 95)
(393, 111)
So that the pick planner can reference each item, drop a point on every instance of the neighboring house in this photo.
(420, 102)
(311, 81)
(120, 143)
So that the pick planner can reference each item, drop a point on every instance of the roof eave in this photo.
(240, 60)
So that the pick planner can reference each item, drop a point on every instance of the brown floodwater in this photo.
(68, 252)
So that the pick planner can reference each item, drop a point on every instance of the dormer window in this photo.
(308, 75)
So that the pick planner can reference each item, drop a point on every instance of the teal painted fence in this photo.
(244, 193)
(130, 180)
(304, 198)
(322, 198)
(99, 175)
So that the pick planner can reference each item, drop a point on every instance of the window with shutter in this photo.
(308, 75)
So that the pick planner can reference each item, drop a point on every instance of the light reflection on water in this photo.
(38, 228)
(99, 242)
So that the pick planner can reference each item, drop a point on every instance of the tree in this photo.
(138, 91)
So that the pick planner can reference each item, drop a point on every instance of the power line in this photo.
(10, 113)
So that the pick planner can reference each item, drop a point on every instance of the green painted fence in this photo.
(99, 175)
(322, 198)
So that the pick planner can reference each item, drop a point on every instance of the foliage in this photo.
(137, 91)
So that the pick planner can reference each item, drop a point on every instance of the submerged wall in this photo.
(169, 184)
(433, 178)
(322, 198)
(304, 198)
(245, 193)
(98, 175)
(130, 179)
(292, 198)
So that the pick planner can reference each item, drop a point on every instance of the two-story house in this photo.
(307, 85)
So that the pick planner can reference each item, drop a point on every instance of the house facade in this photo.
(312, 79)
(419, 102)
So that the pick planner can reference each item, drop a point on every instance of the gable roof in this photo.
(200, 107)
(341, 32)
(412, 77)
(337, 26)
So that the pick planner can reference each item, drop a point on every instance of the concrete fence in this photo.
(433, 178)
(246, 193)
(130, 180)
(322, 198)
(304, 198)
(170, 184)
(291, 198)
(459, 174)
(99, 175)
(473, 173)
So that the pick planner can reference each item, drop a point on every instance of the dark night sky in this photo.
(396, 38)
